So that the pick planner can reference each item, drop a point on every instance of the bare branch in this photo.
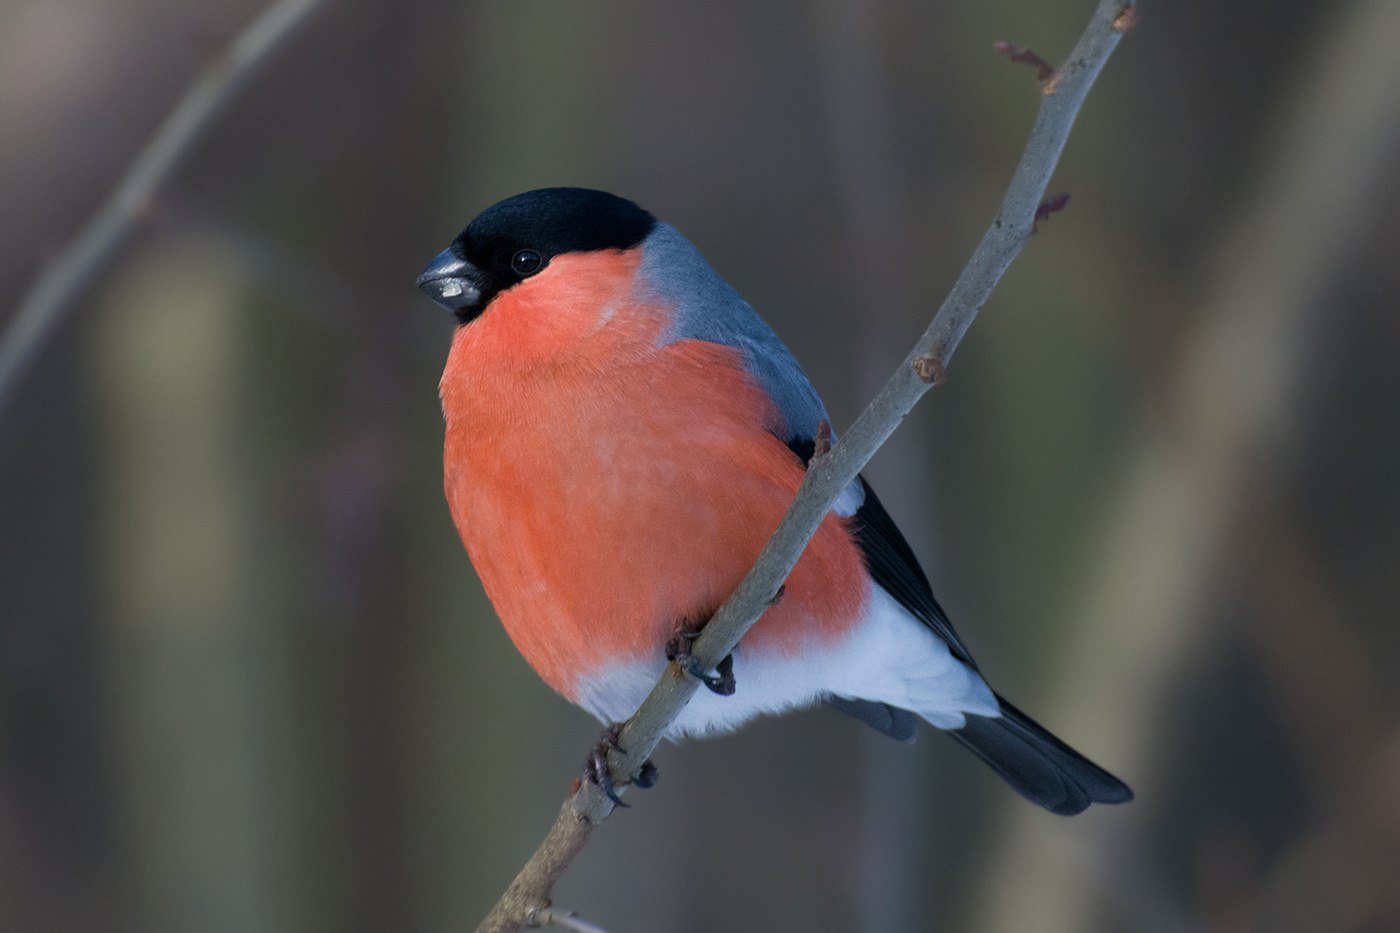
(56, 288)
(829, 475)
(528, 895)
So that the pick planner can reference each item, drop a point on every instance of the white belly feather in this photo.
(888, 657)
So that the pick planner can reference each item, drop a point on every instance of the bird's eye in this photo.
(526, 262)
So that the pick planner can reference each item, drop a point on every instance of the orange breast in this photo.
(606, 488)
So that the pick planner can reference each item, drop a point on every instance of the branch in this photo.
(54, 291)
(1063, 94)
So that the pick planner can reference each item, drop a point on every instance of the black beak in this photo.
(454, 283)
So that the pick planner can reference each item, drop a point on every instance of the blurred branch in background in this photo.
(877, 221)
(155, 777)
(1341, 873)
(1228, 418)
(831, 470)
(60, 284)
(187, 640)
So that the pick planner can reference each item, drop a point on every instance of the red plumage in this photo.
(609, 488)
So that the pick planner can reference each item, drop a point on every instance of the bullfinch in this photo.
(623, 434)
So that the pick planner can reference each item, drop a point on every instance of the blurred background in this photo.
(248, 680)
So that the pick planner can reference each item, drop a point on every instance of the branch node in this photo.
(1051, 205)
(1043, 69)
(1126, 18)
(534, 915)
(777, 596)
(547, 916)
(929, 369)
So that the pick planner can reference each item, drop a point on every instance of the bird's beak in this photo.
(454, 283)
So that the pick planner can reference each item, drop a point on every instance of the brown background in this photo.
(248, 680)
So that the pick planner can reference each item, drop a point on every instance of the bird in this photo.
(623, 433)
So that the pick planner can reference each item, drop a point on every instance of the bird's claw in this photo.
(720, 682)
(597, 770)
(647, 775)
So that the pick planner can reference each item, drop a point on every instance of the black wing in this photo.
(892, 564)
(1038, 765)
(891, 561)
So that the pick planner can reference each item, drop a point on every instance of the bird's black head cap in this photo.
(516, 238)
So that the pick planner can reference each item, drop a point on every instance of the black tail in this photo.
(1043, 769)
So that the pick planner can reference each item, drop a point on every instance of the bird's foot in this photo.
(596, 767)
(647, 775)
(720, 682)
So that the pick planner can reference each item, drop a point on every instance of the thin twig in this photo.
(549, 917)
(1051, 205)
(56, 288)
(827, 476)
(1043, 69)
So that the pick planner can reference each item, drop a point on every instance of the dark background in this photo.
(248, 680)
